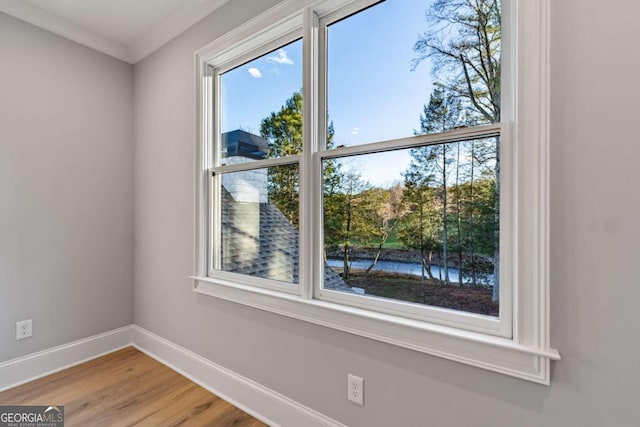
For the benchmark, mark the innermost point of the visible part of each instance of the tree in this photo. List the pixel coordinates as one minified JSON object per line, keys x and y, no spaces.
{"x":442,"y":114}
{"x":463,"y":42}
{"x":387,"y":206}
{"x":349,"y":217}
{"x":419,"y":226}
{"x":283,"y":132}
{"x":477,"y":201}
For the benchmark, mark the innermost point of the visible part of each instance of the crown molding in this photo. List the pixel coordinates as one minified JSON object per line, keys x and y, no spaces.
{"x":64,"y":28}
{"x":189,"y":13}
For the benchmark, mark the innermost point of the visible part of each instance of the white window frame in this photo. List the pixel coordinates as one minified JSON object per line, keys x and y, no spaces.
{"x":518,"y":343}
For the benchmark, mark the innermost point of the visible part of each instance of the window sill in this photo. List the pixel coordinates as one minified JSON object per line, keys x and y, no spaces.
{"x":493,"y":353}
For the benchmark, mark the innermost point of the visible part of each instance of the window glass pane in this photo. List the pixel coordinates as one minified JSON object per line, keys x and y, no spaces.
{"x":409,"y":67}
{"x":261,"y":107}
{"x":259,"y":223}
{"x":424,"y":230}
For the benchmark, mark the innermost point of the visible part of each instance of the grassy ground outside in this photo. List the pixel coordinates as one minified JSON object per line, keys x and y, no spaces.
{"x":392,"y":242}
{"x":407,"y":287}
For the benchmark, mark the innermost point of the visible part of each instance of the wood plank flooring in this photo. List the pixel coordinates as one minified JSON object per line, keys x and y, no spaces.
{"x":128,"y":388}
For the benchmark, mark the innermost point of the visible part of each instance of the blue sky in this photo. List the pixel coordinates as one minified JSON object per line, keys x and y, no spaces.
{"x":372,"y":93}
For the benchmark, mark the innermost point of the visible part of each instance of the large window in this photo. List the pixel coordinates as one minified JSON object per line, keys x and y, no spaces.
{"x":359,"y":163}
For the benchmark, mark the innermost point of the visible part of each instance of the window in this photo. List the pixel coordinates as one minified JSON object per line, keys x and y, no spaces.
{"x":255,"y":188}
{"x":355,"y":175}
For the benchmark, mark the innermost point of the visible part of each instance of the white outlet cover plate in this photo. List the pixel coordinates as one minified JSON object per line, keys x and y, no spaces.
{"x":355,"y":389}
{"x":24,"y":329}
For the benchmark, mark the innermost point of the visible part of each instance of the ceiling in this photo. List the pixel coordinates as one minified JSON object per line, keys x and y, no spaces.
{"x":126,"y":29}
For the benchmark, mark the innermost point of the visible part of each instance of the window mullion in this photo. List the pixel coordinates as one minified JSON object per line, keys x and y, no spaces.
{"x":308,"y":180}
{"x":321,"y":146}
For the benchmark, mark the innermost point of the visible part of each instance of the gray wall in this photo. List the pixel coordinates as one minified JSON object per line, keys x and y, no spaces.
{"x":66,"y":189}
{"x":595,"y":267}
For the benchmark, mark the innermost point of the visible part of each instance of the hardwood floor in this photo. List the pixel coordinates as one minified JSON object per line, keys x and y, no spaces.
{"x":128,"y":388}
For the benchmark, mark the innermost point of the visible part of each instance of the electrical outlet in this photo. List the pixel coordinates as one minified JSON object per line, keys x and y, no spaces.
{"x":355,"y":389}
{"x":24,"y":329}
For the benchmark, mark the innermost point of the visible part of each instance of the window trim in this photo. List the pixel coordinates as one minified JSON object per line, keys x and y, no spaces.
{"x":527,"y":354}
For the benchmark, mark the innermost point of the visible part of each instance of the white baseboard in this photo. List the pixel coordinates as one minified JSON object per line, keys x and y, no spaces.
{"x":263,"y":403}
{"x":36,"y":365}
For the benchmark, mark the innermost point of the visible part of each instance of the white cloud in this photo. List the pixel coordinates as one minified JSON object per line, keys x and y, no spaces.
{"x":255,"y":72}
{"x":355,"y":131}
{"x":280,"y":58}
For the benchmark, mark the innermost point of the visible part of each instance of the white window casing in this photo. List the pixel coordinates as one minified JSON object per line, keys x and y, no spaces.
{"x":517,"y":343}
